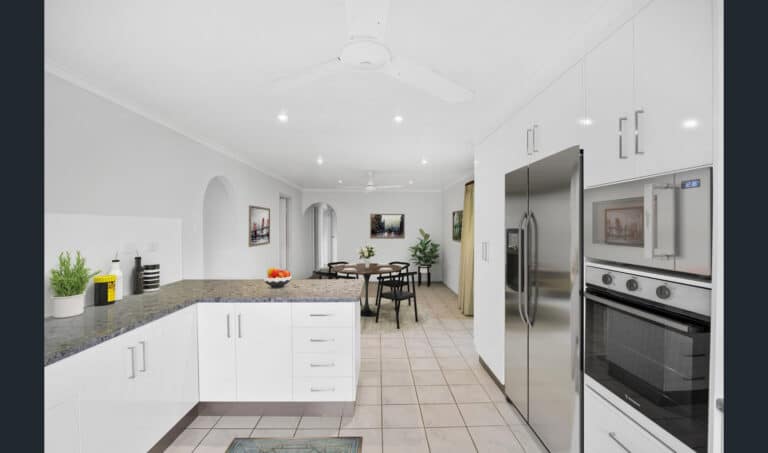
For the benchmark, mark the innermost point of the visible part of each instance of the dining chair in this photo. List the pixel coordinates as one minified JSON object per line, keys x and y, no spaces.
{"x":337,"y":274}
{"x":389,"y":283}
{"x":403,"y":287}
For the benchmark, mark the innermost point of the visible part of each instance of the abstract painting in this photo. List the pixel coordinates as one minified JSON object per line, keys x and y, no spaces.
{"x":387,"y":226}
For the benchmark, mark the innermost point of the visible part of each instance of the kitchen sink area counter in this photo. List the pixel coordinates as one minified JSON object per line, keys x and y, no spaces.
{"x":67,"y":336}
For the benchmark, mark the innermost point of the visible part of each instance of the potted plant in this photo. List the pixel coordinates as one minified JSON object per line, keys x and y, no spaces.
{"x":366,"y":252}
{"x":68,"y":283}
{"x":425,"y":252}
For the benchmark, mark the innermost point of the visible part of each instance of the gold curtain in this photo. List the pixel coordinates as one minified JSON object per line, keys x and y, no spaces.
{"x":467,"y":266}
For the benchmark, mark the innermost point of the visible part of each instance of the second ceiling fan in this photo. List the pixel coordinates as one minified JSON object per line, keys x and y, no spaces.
{"x":366,"y":22}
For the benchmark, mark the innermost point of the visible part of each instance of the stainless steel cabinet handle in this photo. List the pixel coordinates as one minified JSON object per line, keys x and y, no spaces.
{"x":612,"y":435}
{"x":133,"y":362}
{"x":228,"y":332}
{"x":316,"y":315}
{"x":321,"y":340}
{"x":720,"y":405}
{"x":322,"y":365}
{"x":239,"y":327}
{"x":143,"y":356}
{"x":528,"y":142}
{"x":535,"y":126}
{"x":637,"y":131}
{"x":322,"y":389}
{"x":621,"y":137}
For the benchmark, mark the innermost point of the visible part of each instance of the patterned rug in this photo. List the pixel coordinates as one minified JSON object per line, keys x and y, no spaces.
{"x":309,"y":445}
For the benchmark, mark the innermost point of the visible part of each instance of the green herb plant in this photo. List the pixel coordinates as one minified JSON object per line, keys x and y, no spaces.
{"x":70,"y":279}
{"x":425,"y":252}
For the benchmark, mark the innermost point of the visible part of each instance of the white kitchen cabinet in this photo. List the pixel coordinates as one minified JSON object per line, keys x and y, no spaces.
{"x":608,"y":86}
{"x":557,"y":115}
{"x":263,"y":352}
{"x":62,"y":430}
{"x":608,"y":430}
{"x":216,"y":352}
{"x":673,"y":71}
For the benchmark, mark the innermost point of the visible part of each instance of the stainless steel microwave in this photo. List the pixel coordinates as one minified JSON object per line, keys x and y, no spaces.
{"x":662,"y":222}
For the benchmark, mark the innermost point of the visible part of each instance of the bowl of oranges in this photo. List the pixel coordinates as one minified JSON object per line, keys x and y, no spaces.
{"x":277,"y":278}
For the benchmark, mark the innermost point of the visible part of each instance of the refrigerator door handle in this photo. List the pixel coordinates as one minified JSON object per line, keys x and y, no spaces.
{"x":521,"y":284}
{"x":534,"y":294}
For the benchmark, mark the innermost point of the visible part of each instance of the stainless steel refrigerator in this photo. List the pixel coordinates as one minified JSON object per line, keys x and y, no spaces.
{"x":543,"y":372}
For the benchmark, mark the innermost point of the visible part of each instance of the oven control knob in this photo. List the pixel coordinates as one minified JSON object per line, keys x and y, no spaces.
{"x":632,"y":284}
{"x":607,"y":279}
{"x":663,"y":292}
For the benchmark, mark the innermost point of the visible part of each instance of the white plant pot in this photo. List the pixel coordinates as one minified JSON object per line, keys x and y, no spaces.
{"x":64,"y":307}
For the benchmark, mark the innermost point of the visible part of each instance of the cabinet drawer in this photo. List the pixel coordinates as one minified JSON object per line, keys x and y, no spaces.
{"x":324,"y":389}
{"x":322,"y":339}
{"x":608,"y":430}
{"x":323,"y":314}
{"x":334,"y":364}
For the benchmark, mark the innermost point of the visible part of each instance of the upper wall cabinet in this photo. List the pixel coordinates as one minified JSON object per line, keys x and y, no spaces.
{"x":557,"y":115}
{"x":648,"y":92}
{"x":608,"y":93}
{"x":673,"y":85}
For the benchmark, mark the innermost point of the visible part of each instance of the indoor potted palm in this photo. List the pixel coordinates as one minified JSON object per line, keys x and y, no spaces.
{"x":425,"y":252}
{"x":68,"y":282}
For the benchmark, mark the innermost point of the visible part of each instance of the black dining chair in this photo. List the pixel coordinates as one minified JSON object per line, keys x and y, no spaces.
{"x":402,"y":287}
{"x":390,"y":283}
{"x":337,"y":274}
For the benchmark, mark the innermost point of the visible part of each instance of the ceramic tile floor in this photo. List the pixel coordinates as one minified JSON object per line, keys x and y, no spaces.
{"x":421,"y":389}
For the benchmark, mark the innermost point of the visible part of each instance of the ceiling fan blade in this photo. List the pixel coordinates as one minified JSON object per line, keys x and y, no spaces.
{"x":306,"y":75}
{"x":427,"y":80}
{"x":367,"y":18}
{"x":396,"y":186}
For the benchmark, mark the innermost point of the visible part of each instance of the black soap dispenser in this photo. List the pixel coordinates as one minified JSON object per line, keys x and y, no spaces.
{"x":138,"y":275}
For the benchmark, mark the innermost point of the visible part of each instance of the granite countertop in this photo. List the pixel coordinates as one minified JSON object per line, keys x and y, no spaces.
{"x":67,"y":336}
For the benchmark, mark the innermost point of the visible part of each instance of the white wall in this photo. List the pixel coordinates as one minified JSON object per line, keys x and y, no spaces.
{"x":103,"y":159}
{"x":453,"y":200}
{"x":353,"y":210}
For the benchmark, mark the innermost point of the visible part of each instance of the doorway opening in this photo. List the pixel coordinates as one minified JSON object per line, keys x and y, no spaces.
{"x":219,"y":228}
{"x":321,"y":220}
{"x":284,"y":240}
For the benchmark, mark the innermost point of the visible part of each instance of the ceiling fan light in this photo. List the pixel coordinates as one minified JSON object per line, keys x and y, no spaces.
{"x":398,"y":119}
{"x":282,"y":117}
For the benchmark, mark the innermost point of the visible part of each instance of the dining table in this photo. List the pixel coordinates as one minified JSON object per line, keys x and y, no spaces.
{"x":367,"y":270}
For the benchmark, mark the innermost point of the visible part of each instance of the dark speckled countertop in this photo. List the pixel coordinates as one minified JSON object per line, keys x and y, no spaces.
{"x":67,"y":336}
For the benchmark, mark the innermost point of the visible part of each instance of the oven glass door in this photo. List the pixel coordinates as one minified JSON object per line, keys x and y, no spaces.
{"x":656,"y":362}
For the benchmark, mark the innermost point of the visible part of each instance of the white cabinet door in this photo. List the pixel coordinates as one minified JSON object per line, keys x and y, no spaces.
{"x":264,"y":353}
{"x":558,"y":113}
{"x":673,"y":85}
{"x":608,"y":75}
{"x":62,"y":430}
{"x":108,"y":409}
{"x":166,"y":386}
{"x":216,"y":352}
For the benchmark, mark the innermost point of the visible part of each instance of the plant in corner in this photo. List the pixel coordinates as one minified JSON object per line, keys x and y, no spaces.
{"x":425,"y":252}
{"x":68,"y":282}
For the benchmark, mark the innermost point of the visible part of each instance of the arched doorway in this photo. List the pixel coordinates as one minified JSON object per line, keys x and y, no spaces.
{"x":320,"y":219}
{"x":219,"y":229}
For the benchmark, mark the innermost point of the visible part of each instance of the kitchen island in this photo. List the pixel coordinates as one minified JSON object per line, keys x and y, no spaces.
{"x":138,"y":370}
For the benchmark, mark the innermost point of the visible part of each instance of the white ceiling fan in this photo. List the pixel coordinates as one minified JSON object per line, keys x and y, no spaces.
{"x":366,"y":22}
{"x":371,"y":186}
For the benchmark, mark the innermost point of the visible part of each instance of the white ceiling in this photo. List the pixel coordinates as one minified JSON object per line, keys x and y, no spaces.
{"x":203,"y":68}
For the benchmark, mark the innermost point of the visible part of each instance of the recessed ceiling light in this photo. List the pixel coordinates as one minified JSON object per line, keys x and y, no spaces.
{"x":424,"y":161}
{"x":585,"y":121}
{"x":319,"y":160}
{"x":341,"y":182}
{"x":398,"y":119}
{"x":282,"y":117}
{"x":410,"y":181}
{"x":690,"y":123}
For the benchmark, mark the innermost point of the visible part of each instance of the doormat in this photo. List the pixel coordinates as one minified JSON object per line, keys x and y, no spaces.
{"x":308,"y":445}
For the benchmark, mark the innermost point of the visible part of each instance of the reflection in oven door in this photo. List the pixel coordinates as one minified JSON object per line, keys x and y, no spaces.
{"x":658,"y":365}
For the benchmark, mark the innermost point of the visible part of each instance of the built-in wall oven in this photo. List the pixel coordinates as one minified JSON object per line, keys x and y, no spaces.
{"x":663,"y":222}
{"x":646,"y":340}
